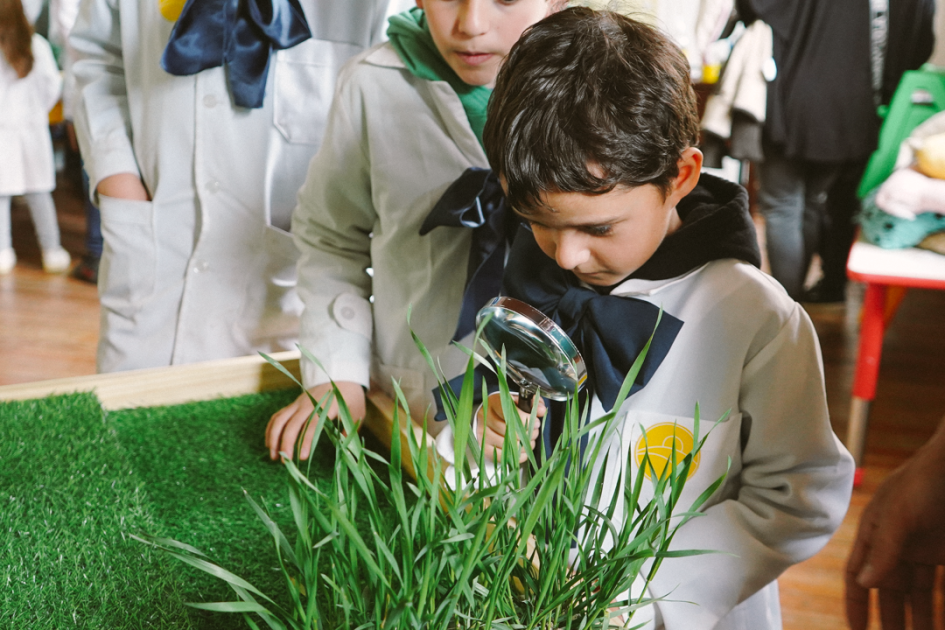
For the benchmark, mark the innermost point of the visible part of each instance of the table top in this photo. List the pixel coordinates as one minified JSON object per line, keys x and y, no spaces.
{"x":910,"y":267}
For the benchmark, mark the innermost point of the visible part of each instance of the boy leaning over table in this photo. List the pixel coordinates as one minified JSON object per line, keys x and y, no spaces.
{"x":591,"y":130}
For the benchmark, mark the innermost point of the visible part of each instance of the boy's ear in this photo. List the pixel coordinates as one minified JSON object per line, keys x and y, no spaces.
{"x":690,"y":167}
{"x":556,"y":5}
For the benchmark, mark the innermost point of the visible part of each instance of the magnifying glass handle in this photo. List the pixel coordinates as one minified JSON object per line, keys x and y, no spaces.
{"x":526,"y":400}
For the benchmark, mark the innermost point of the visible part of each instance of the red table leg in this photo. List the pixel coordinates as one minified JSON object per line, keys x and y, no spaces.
{"x":867,"y":371}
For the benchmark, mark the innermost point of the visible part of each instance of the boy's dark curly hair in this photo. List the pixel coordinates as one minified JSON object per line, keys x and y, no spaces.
{"x":586,"y":101}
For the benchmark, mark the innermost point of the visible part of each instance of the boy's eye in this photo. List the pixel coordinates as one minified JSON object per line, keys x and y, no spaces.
{"x":598,"y":230}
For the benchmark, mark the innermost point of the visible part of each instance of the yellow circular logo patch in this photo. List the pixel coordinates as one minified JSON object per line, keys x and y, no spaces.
{"x":171,"y":9}
{"x":662,"y":439}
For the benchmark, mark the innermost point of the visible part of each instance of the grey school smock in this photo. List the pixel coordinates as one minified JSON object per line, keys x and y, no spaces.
{"x":393,"y":145}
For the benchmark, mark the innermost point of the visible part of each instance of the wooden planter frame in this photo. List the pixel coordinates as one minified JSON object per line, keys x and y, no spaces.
{"x":222,"y":378}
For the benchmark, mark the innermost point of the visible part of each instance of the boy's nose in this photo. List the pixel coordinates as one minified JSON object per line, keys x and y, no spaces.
{"x":472,"y":19}
{"x":570,"y":251}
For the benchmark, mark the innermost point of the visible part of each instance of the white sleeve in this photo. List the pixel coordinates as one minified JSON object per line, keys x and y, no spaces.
{"x":790,"y":496}
{"x":102,"y":119}
{"x":49,"y":79}
{"x":32,"y":9}
{"x":332,"y":226}
{"x":62,"y":15}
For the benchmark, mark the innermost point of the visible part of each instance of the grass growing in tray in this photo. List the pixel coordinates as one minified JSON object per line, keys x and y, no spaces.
{"x":537,"y":547}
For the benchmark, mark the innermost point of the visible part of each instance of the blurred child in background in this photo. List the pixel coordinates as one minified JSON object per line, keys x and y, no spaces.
{"x":30,"y":85}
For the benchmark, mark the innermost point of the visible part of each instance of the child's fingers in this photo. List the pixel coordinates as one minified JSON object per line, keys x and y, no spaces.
{"x":499,"y":427}
{"x":492,"y":444}
{"x":538,"y":403}
{"x":293,"y":429}
{"x":493,"y":428}
{"x":494,"y":411}
{"x":305,"y":448}
{"x":496,"y":425}
{"x":277,"y":425}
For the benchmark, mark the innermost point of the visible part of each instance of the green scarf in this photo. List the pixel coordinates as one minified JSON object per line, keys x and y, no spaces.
{"x":410,"y":36}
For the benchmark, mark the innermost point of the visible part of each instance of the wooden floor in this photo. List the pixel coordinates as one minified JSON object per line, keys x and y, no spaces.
{"x":49,"y":327}
{"x":48,"y":323}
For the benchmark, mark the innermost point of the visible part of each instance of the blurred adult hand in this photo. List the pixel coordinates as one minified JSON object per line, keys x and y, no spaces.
{"x":285,"y":425}
{"x":900,"y":543}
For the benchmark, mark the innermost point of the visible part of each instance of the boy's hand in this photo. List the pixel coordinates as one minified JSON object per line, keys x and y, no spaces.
{"x":286,"y":424}
{"x":491,"y":430}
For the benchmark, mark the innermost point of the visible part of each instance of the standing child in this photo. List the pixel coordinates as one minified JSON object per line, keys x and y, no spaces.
{"x":196,"y":121}
{"x":405,"y":123}
{"x":29,"y":87}
{"x":592,"y":129}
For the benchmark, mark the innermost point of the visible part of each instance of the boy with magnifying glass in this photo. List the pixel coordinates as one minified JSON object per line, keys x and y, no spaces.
{"x":592,"y":131}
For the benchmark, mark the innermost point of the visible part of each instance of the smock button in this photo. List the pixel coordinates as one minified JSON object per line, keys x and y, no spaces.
{"x":213,"y":186}
{"x":201,"y":266}
{"x":347,"y":312}
{"x":210,"y":100}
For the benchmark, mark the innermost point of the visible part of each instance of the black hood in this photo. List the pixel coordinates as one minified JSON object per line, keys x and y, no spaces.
{"x":715,"y":225}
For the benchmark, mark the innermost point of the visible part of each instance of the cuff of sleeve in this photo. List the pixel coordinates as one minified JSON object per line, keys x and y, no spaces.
{"x":353,"y":371}
{"x":109,"y":160}
{"x":444,"y":440}
{"x":340,"y":339}
{"x":445,"y":450}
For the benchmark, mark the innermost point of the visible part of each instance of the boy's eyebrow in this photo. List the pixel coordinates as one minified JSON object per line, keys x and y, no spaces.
{"x":532,"y":218}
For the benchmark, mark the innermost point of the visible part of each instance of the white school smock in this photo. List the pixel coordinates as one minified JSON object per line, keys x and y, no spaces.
{"x":748,"y":349}
{"x":26,"y":152}
{"x":393,"y":145}
{"x":207,"y":268}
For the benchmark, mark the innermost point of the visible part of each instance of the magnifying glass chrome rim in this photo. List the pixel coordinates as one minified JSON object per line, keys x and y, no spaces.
{"x":505,"y":309}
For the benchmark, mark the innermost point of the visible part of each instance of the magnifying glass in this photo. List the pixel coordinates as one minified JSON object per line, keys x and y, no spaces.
{"x":539,"y":354}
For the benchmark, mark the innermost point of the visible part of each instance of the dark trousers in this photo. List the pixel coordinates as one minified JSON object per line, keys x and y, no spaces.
{"x":809,"y":207}
{"x":839,"y":224}
{"x":93,"y":222}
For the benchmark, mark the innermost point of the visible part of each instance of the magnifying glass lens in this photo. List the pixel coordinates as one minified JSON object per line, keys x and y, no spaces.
{"x":539,"y":355}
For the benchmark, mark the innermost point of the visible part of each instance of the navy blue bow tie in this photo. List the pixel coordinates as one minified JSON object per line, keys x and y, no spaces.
{"x":476,"y":201}
{"x":239,"y":34}
{"x":610,"y":331}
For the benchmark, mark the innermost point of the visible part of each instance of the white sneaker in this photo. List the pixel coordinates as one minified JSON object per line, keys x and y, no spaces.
{"x":7,"y":261}
{"x":56,"y":260}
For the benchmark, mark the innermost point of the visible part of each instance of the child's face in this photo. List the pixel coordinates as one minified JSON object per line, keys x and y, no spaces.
{"x":474,"y":36}
{"x":604,"y":238}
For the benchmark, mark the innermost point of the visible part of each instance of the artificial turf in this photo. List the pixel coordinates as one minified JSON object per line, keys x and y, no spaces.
{"x":75,"y":482}
{"x":70,"y":497}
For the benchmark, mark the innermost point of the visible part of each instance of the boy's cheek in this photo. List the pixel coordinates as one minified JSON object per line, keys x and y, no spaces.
{"x":545,"y":241}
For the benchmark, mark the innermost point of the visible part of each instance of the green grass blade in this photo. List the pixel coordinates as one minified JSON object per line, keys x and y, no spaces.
{"x":274,"y":529}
